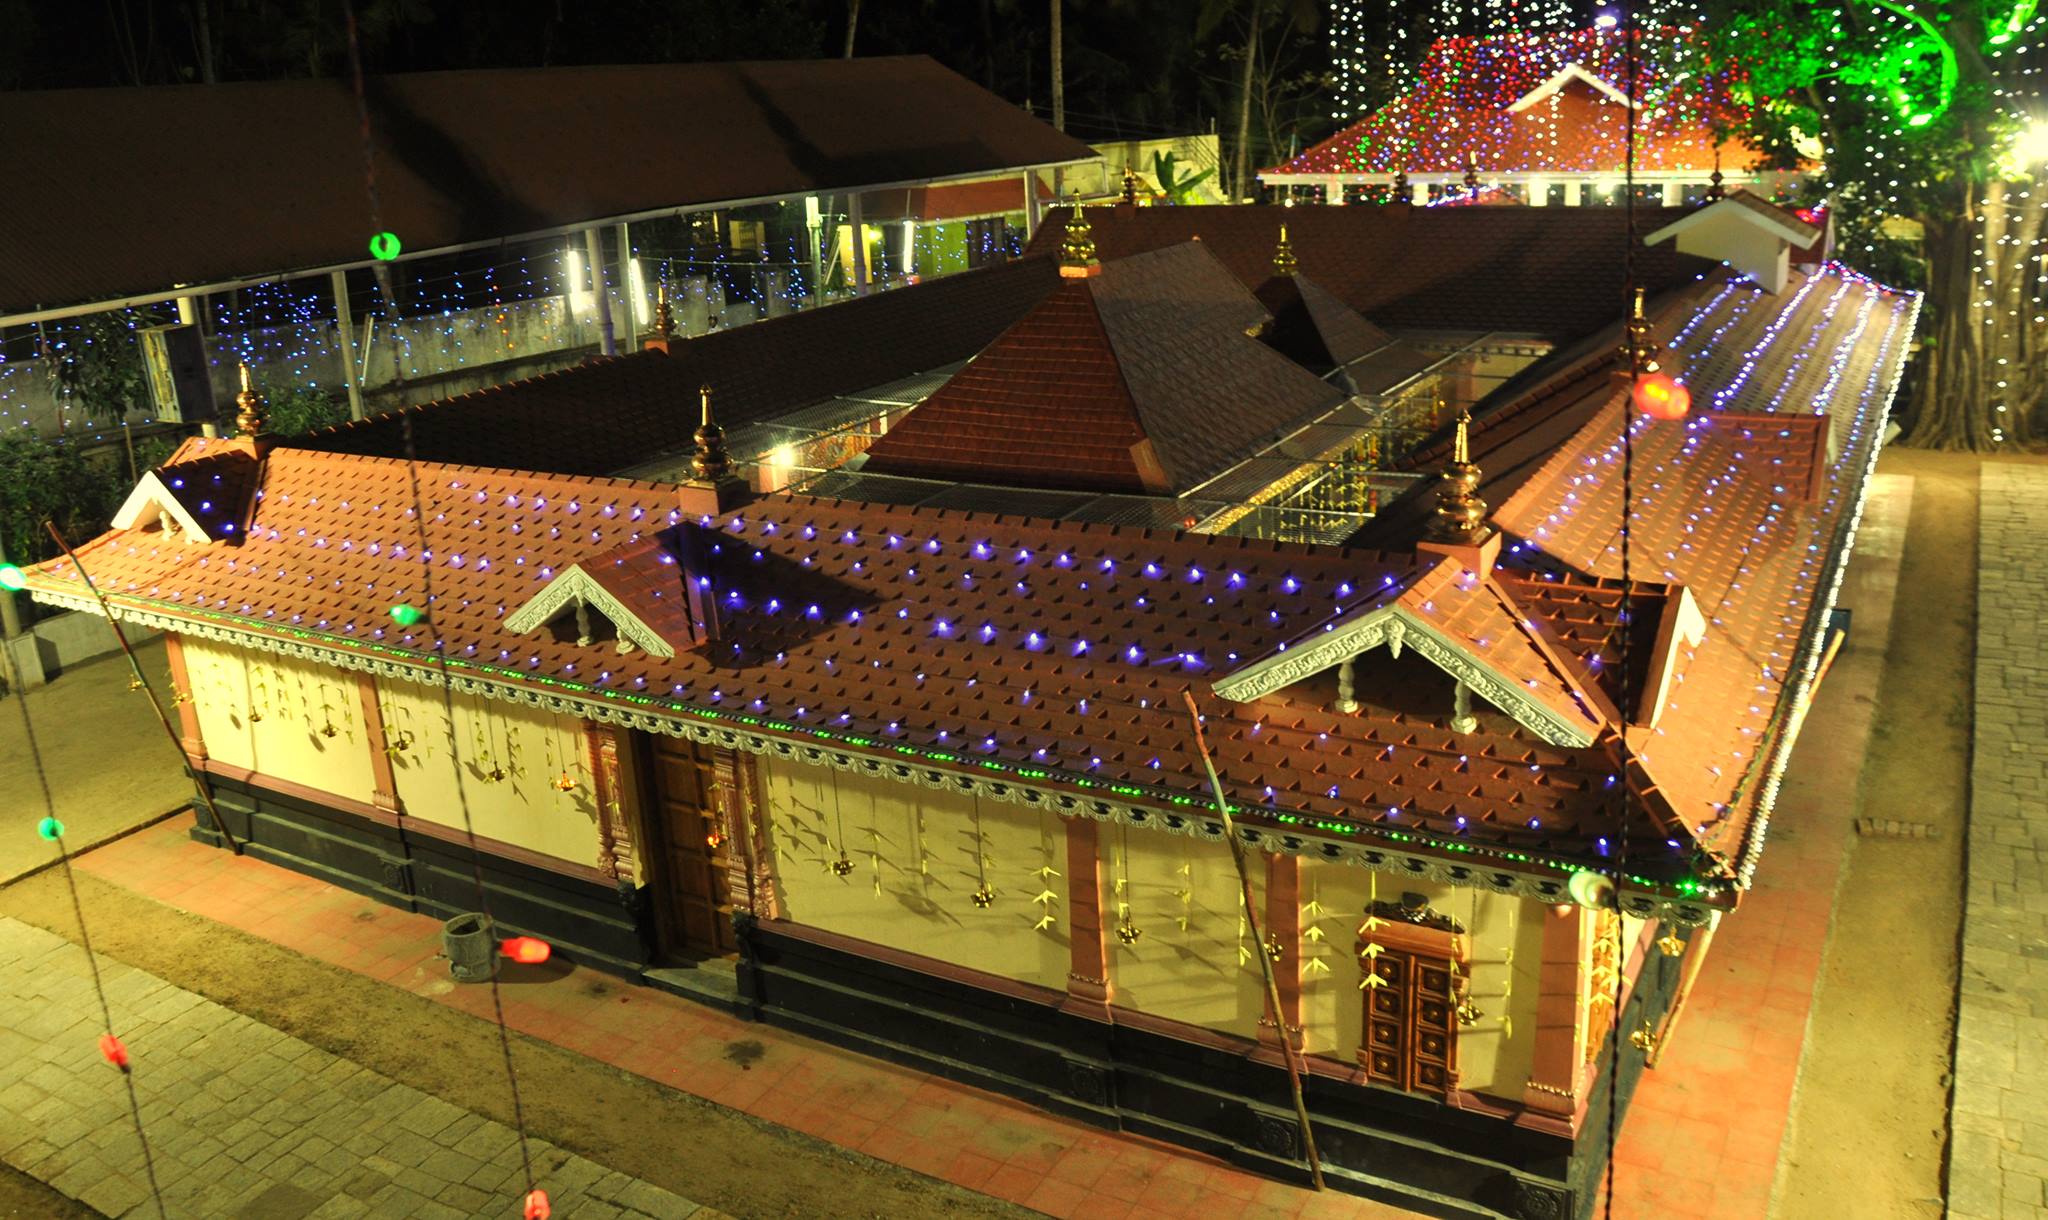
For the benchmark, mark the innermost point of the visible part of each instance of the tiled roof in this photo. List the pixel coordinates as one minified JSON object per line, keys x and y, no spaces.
{"x":1555,"y":273}
{"x":144,"y":189}
{"x":1060,"y":650}
{"x":1142,"y":378}
{"x":1464,"y":105}
{"x":607,"y":415}
{"x":1317,"y":331}
{"x":952,"y":200}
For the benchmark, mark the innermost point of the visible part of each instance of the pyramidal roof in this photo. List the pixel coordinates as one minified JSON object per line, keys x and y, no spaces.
{"x":1146,"y":378}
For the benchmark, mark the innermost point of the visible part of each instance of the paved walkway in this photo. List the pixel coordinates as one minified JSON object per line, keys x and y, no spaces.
{"x":1998,"y":1158}
{"x":244,"y":1122}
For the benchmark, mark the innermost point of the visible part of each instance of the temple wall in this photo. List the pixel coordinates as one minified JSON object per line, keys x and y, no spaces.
{"x":1506,"y":949}
{"x":528,"y":751}
{"x":273,"y":715}
{"x":1192,"y":960}
{"x":915,"y":870}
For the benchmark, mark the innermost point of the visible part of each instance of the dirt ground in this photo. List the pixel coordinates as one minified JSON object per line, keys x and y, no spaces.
{"x":78,"y":718}
{"x":704,"y":1152}
{"x":24,"y":1198}
{"x":1870,"y":1118}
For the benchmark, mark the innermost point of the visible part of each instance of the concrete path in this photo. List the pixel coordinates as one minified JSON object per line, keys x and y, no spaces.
{"x":1998,"y":1160}
{"x":244,"y":1122}
{"x":110,"y":766}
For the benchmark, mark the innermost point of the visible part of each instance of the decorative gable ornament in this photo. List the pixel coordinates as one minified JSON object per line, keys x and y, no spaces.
{"x":576,"y":592}
{"x":152,"y":503}
{"x":1751,"y":234}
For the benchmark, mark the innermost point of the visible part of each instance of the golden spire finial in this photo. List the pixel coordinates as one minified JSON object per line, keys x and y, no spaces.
{"x":1472,"y":173}
{"x":1077,"y":246}
{"x":1284,"y":262}
{"x":1714,"y":188}
{"x":1130,"y":194}
{"x":1640,"y":349}
{"x":1460,"y":513}
{"x":664,"y":316}
{"x":711,"y":462}
{"x":249,"y":420}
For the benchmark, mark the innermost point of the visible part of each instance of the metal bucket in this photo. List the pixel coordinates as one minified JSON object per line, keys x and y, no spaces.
{"x":470,"y":945}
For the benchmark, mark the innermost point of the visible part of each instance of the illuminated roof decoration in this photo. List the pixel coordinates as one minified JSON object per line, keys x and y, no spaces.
{"x":1527,"y":104}
{"x":1043,"y":662}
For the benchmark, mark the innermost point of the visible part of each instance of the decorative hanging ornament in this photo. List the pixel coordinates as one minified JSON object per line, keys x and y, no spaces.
{"x":984,"y":897}
{"x":526,"y":950}
{"x":113,"y":1051}
{"x":1660,"y":397}
{"x":1590,"y":889}
{"x":51,"y":829}
{"x":1129,"y":933}
{"x":842,"y":867}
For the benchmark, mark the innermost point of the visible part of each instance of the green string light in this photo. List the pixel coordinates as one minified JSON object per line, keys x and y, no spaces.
{"x":11,"y":578}
{"x":405,"y":614}
{"x":384,"y":247}
{"x":51,"y":829}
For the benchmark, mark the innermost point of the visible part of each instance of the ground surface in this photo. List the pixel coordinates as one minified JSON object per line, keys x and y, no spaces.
{"x":1998,"y":1164}
{"x":81,"y":718}
{"x":1870,"y":1120}
{"x":243,"y":1121}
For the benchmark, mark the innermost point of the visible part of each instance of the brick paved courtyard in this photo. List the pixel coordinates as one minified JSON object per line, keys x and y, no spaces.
{"x":245,"y":1121}
{"x":1998,"y":1166}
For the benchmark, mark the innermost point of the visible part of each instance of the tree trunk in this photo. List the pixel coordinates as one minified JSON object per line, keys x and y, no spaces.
{"x":1059,"y":70}
{"x":1241,"y":161}
{"x":205,"y":39}
{"x":1985,"y":365}
{"x":852,"y":21}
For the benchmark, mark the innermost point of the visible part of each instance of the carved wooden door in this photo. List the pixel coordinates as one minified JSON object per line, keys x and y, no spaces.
{"x":1410,"y":1021}
{"x":690,"y":802}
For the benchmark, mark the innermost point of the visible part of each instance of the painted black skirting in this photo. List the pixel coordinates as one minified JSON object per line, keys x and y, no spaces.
{"x":585,"y":921}
{"x":1381,"y":1143}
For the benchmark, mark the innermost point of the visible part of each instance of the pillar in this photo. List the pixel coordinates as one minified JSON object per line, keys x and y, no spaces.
{"x":1347,"y":700}
{"x":1088,"y":986}
{"x":860,"y":244}
{"x":1538,"y":191}
{"x":189,"y":737}
{"x":593,"y":254}
{"x":1418,"y":193}
{"x":631,"y":303}
{"x":1462,"y":719}
{"x":1030,"y":205}
{"x":1558,"y":1061}
{"x":1282,"y":920}
{"x":383,"y":778}
{"x":346,"y":331}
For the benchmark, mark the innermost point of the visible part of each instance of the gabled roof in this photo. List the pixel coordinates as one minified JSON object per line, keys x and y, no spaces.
{"x":608,"y":415}
{"x":638,"y":587}
{"x":1537,"y":104}
{"x":1772,"y":218}
{"x":1316,"y":330}
{"x":1141,"y":379}
{"x":461,"y":157}
{"x":207,"y":487}
{"x":1554,"y":273}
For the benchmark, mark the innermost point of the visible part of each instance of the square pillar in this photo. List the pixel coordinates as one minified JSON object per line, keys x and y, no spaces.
{"x":1558,"y":1062}
{"x":383,"y":778}
{"x":1282,"y":926}
{"x":181,"y":695}
{"x":1088,"y":985}
{"x":855,"y":218}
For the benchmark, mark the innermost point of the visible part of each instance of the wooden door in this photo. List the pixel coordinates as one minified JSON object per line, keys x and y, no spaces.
{"x":690,"y":806}
{"x":1411,"y":1022}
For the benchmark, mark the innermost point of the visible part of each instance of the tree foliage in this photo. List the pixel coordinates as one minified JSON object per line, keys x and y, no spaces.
{"x":50,"y":480}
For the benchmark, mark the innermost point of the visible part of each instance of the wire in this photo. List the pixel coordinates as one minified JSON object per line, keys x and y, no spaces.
{"x":439,"y":649}
{"x":84,"y":938}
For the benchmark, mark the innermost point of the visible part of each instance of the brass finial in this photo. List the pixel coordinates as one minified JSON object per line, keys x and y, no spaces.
{"x":1400,"y":186}
{"x":1130,"y":194}
{"x":1640,"y":349}
{"x":1077,"y":247}
{"x":664,"y":316}
{"x":1714,"y":187}
{"x":1460,"y":513}
{"x":1472,"y":173}
{"x":711,"y":462}
{"x":249,"y":419}
{"x":1284,"y":262}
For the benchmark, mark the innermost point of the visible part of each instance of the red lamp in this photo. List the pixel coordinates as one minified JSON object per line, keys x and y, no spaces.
{"x":1659,"y":397}
{"x":113,"y":1051}
{"x":537,"y":1205}
{"x":526,"y":950}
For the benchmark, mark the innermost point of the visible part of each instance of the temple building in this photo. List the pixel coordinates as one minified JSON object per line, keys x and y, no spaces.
{"x":1542,"y":119}
{"x":907,"y":757}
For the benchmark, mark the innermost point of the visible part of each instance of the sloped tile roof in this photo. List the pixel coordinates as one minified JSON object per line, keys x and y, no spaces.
{"x":1142,"y":378}
{"x":1555,"y":273}
{"x":605,"y":416}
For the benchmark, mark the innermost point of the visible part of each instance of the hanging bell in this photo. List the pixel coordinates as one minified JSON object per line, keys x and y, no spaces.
{"x":984,"y":897}
{"x":1128,"y":933}
{"x":842,"y":867}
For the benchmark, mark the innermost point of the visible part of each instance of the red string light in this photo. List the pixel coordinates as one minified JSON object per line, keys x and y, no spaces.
{"x":537,"y":1205}
{"x":112,"y":1049}
{"x":526,"y":950}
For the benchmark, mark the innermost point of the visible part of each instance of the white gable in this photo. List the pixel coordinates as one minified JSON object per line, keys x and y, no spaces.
{"x":150,"y":502}
{"x":573,"y":591}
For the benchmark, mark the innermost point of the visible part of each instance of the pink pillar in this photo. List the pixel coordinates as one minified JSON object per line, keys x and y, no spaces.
{"x":1560,"y":1055}
{"x":1088,"y":987}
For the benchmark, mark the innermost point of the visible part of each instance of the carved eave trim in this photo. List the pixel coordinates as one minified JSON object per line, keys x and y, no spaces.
{"x":708,"y":727}
{"x":151,"y":496}
{"x":1395,"y":626}
{"x":574,"y":584}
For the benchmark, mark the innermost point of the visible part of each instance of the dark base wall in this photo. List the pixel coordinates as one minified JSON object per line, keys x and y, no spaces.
{"x":592,"y":922}
{"x":1204,"y":1092}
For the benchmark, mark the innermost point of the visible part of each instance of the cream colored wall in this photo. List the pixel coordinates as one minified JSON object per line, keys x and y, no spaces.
{"x":1193,"y":959}
{"x":504,"y":759}
{"x":1506,"y":948}
{"x":287,"y":719}
{"x":915,"y":869}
